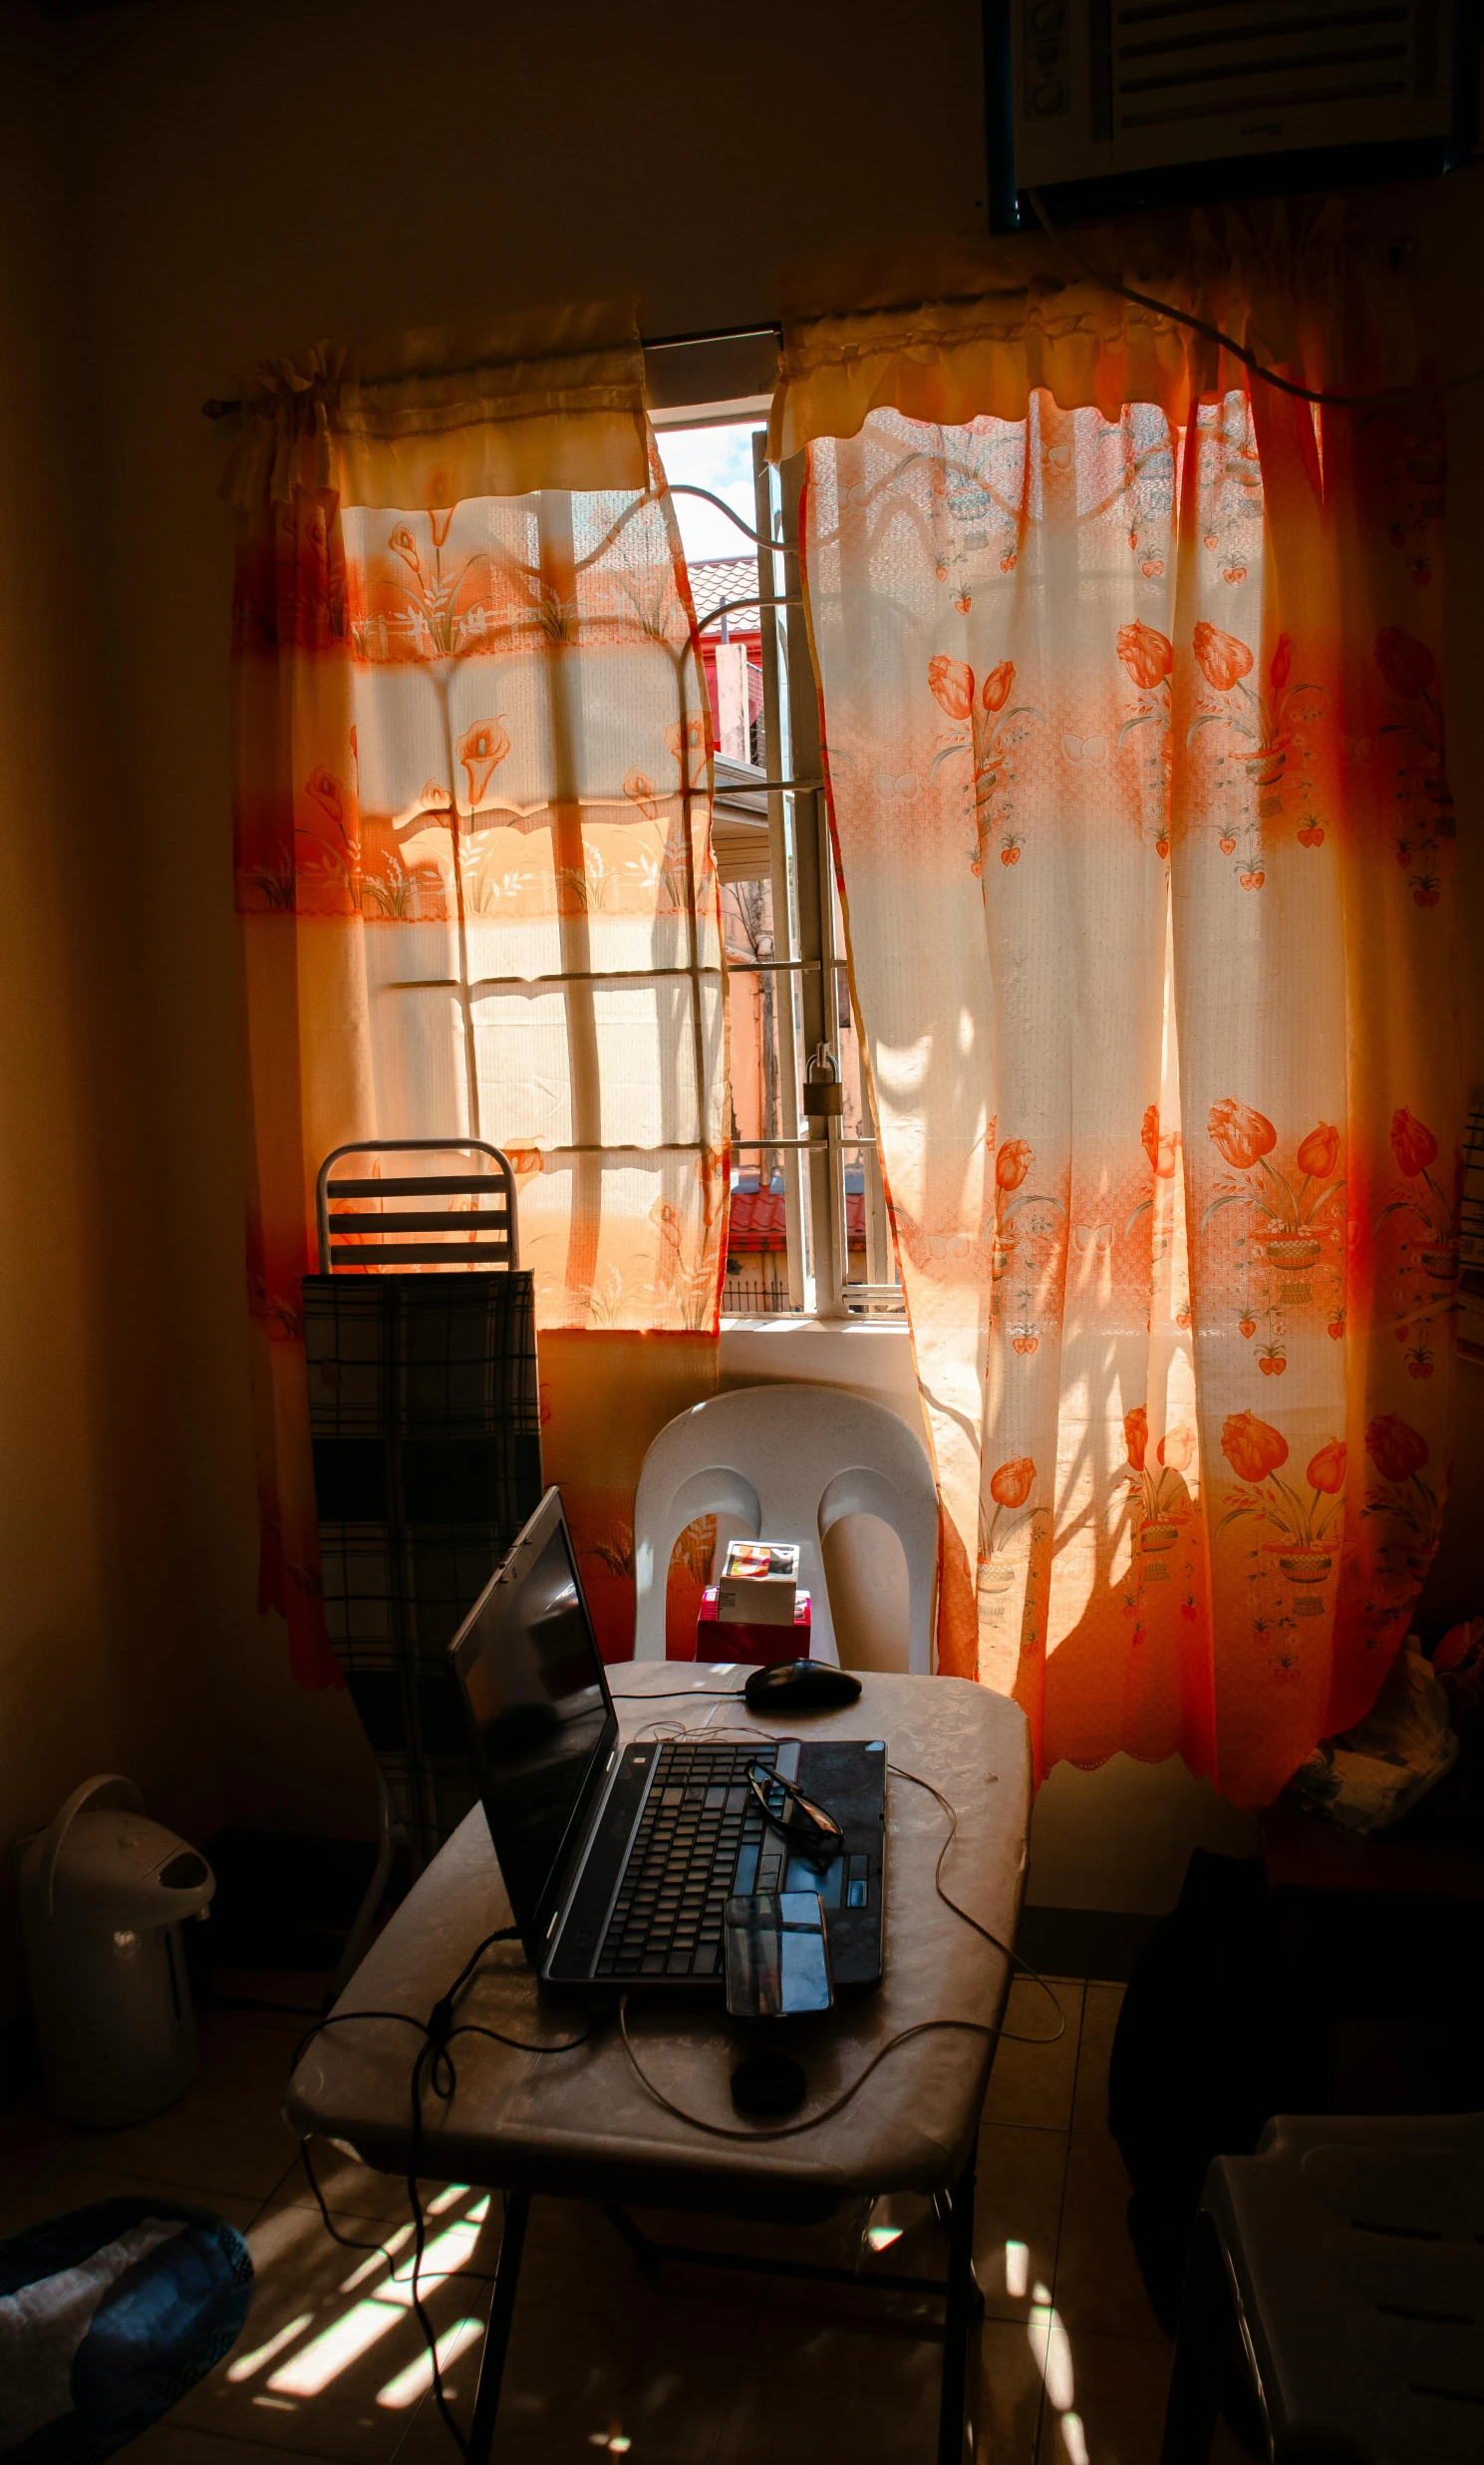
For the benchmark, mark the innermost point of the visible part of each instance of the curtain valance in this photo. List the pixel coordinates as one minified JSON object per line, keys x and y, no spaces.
{"x":549,"y":400}
{"x":1298,"y":283}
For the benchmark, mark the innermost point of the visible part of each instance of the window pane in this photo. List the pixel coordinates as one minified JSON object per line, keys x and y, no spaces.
{"x":757,"y":1244}
{"x":870,"y":1252}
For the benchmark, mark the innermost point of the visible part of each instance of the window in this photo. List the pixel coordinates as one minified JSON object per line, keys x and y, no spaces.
{"x":809,"y":1223}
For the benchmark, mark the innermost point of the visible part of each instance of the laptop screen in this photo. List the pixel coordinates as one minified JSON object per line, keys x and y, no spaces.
{"x":532,"y":1673}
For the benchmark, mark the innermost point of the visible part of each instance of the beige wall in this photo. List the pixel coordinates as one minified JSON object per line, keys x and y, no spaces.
{"x":251,"y":177}
{"x":99,"y":1667}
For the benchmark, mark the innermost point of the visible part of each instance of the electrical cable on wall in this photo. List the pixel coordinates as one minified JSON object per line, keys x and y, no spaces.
{"x":1213,"y":333}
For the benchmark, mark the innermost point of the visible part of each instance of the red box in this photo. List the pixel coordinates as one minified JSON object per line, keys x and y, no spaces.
{"x":759,"y":1644}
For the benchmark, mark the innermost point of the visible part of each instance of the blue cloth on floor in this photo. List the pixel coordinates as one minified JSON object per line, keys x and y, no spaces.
{"x":107,"y":2316}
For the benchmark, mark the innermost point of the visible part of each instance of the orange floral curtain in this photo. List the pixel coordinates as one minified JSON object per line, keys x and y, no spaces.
{"x":474,"y":871}
{"x":1138,"y":782}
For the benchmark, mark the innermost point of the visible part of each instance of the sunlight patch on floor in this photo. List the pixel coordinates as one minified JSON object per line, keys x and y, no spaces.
{"x":416,"y":2380}
{"x":1051,"y":2348}
{"x":248,"y":2363}
{"x":361,"y":2325}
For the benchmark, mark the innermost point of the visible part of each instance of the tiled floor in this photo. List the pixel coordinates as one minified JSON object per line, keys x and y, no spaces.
{"x":693,"y":2368}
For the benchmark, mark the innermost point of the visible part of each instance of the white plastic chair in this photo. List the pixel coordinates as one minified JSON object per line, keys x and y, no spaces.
{"x":788,"y":1462}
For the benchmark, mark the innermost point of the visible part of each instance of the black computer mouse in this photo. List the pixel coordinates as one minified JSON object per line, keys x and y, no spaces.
{"x":768,"y":2084}
{"x":801,"y":1686}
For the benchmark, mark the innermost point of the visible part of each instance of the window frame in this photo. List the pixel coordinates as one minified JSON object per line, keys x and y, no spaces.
{"x":808,"y":943}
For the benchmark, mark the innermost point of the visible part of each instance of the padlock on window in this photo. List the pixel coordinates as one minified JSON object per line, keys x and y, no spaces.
{"x":824,"y":1098}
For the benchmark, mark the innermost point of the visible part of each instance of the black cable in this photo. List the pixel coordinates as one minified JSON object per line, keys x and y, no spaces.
{"x":420,"y":2228}
{"x":1007,"y":1949}
{"x":347,"y":2241}
{"x":441,"y":2027}
{"x":212,"y":2002}
{"x":809,"y":2122}
{"x":439,"y":2062}
{"x":984,"y":2029}
{"x":666,"y":1694}
{"x":434,"y":2061}
{"x":332,"y":2019}
{"x":352,"y":2242}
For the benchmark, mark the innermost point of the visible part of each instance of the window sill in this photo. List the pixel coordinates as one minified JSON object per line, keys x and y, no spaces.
{"x":871,"y":1355}
{"x":793,"y":1321}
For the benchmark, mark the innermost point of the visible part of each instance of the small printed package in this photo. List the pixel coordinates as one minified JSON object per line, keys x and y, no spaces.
{"x":758,"y":1584}
{"x":759,"y":1641}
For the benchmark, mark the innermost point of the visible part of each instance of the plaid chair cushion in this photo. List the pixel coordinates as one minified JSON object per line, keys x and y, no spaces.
{"x":425,"y":1421}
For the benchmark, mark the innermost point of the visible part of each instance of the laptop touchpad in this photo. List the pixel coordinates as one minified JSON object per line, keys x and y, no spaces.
{"x":803,"y":1876}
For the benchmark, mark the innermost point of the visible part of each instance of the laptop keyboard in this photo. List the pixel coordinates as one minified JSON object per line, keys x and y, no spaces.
{"x":700,"y":1838}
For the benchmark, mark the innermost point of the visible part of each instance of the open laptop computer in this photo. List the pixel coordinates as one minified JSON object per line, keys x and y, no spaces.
{"x":619,"y":1862}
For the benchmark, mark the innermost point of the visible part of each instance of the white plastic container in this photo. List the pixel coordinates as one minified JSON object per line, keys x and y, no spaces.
{"x":103,"y":1894}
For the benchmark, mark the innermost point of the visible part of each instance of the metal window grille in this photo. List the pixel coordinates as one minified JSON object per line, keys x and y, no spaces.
{"x":837,"y":1258}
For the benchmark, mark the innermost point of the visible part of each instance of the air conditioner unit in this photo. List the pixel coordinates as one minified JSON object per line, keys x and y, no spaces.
{"x":1109,"y":104}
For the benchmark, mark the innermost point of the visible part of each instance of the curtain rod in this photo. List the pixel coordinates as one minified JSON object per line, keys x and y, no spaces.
{"x":224,"y":410}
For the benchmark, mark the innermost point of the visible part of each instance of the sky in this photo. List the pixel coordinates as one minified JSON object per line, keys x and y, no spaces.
{"x":719,"y":459}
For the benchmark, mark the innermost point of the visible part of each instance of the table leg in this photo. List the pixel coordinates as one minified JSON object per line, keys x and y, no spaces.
{"x":1201,"y":2350}
{"x":648,"y":2254}
{"x":960,"y":2292}
{"x":497,"y":2335}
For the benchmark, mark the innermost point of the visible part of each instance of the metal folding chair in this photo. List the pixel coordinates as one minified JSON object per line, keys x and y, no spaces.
{"x":426,"y":1422}
{"x":498,"y":1247}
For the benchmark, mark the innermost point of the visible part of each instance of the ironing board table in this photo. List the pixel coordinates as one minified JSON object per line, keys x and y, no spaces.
{"x":584,"y":2126}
